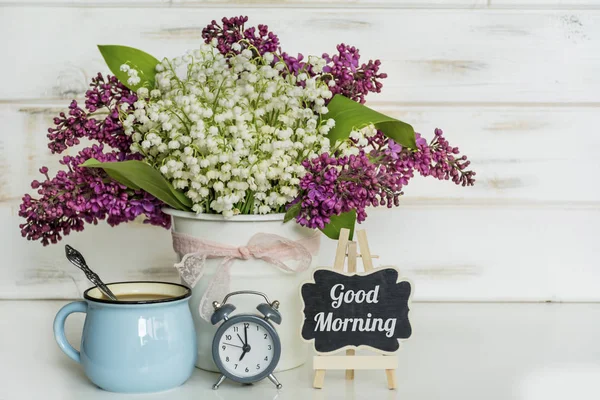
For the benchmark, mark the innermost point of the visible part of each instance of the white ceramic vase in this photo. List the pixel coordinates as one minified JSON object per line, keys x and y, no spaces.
{"x":251,"y":274}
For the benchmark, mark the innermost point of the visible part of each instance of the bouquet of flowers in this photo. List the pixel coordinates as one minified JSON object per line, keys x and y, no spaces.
{"x":236,"y":126}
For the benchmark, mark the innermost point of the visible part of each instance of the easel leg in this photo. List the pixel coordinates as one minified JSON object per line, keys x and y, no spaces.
{"x":391,"y":378}
{"x":350,"y":372}
{"x":319,"y":378}
{"x":352,"y":256}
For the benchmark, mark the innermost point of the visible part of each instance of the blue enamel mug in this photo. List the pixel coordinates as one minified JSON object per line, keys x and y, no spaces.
{"x":145,"y":342}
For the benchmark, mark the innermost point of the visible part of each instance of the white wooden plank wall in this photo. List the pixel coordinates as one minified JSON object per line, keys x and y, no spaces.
{"x":514,"y":83}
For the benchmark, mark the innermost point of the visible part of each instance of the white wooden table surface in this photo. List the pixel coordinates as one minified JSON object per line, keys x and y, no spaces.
{"x":458,"y":351}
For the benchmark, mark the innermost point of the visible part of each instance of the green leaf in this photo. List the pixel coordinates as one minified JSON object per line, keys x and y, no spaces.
{"x":114,"y":174}
{"x":292,"y":212}
{"x":350,"y":115}
{"x":139,"y":175}
{"x":144,"y":63}
{"x":338,"y":222}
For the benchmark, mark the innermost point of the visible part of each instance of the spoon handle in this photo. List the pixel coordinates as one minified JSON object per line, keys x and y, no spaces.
{"x":76,"y":258}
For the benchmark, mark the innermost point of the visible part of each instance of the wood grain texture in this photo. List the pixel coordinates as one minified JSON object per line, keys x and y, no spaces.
{"x":255,"y":3}
{"x":518,"y":152}
{"x":478,"y":56}
{"x":30,"y":270}
{"x":337,"y":3}
{"x":86,"y":3}
{"x":552,"y":4}
{"x":449,"y":252}
{"x":314,"y":3}
{"x":514,"y":85}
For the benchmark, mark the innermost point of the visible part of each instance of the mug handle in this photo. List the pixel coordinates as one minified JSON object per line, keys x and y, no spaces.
{"x":59,"y":327}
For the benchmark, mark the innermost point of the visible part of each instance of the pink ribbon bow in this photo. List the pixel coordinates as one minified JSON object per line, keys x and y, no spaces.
{"x":273,"y":249}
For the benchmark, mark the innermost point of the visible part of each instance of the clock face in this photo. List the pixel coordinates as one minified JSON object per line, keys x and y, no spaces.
{"x":247,"y":348}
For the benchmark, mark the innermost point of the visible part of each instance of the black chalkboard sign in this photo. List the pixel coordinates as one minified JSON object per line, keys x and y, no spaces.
{"x":356,"y":310}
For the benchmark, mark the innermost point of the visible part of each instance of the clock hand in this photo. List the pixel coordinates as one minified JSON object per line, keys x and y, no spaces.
{"x":246,"y":347}
{"x":234,"y":345}
{"x":242,"y":340}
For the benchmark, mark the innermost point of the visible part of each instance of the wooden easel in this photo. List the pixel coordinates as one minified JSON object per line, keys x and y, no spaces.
{"x":350,"y":362}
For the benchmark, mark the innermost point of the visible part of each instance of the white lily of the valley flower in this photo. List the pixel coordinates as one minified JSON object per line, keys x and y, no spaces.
{"x":229,"y":131}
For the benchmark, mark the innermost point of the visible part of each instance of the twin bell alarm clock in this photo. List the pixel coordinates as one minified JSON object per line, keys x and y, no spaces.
{"x":246,"y":347}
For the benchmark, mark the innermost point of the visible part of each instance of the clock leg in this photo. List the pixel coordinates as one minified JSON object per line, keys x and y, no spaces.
{"x":221,"y":379}
{"x":275,"y":381}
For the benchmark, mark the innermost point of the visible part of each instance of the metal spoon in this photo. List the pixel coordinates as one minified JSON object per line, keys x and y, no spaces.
{"x":77,"y":259}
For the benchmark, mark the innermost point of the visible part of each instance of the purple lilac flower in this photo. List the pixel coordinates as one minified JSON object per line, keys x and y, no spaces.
{"x":81,"y":195}
{"x":232,"y":31}
{"x":350,"y":78}
{"x":295,"y":65}
{"x":337,"y":184}
{"x":106,"y":96}
{"x":84,"y":195}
